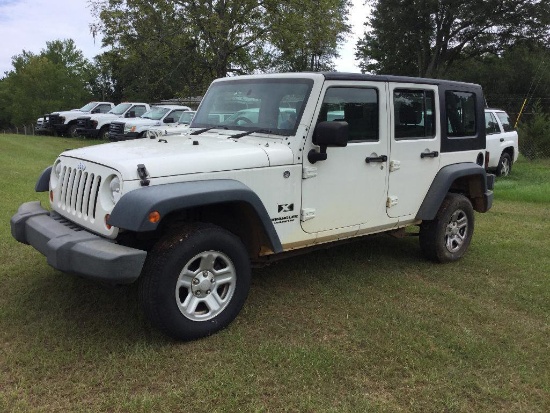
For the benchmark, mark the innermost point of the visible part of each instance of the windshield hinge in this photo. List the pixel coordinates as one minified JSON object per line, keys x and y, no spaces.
{"x":143,"y":174}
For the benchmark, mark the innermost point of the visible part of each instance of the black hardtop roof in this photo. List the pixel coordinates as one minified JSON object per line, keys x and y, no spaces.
{"x":391,"y":78}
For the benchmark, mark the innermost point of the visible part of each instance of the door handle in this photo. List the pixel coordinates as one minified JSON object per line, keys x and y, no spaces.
{"x":381,"y":158}
{"x":433,"y":154}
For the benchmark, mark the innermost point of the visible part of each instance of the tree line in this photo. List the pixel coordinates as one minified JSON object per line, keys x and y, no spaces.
{"x":158,"y":49}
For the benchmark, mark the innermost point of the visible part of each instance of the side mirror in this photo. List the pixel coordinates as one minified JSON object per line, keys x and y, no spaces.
{"x":328,"y":134}
{"x":95,"y":110}
{"x":131,"y":114}
{"x":169,"y":120}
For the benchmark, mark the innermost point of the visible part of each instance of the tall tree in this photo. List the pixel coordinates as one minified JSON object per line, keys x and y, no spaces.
{"x":57,"y":78}
{"x":306,"y":35}
{"x":426,"y":37}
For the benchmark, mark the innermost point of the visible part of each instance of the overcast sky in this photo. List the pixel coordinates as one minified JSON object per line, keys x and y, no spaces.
{"x":28,"y":24}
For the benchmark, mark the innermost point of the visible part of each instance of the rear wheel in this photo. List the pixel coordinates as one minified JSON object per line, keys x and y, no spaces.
{"x":195,"y":281}
{"x":447,"y":237}
{"x":504,"y":165}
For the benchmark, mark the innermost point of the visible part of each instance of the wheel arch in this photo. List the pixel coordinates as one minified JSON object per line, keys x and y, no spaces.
{"x":468,"y":179}
{"x":227,"y":203}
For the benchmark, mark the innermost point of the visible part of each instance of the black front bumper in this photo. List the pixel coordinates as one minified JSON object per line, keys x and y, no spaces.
{"x":73,"y":250}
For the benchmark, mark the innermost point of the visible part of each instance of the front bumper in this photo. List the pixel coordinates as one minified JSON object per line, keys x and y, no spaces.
{"x":88,"y":133}
{"x":73,"y":250}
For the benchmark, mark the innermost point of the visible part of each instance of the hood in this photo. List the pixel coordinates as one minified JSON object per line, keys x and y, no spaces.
{"x":142,"y":121}
{"x":181,"y":155}
{"x":97,"y":116}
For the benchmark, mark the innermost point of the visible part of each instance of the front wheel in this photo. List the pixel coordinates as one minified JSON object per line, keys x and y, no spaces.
{"x":71,"y":131}
{"x":447,"y":237}
{"x":195,"y":281}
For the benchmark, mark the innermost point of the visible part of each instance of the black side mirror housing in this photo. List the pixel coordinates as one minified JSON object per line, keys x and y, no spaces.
{"x":169,"y":120}
{"x":131,"y":114}
{"x":328,"y":134}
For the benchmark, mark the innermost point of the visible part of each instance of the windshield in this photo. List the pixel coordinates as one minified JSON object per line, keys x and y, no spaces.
{"x":88,"y":107}
{"x":186,"y":117}
{"x":155,"y":113}
{"x":120,"y":108}
{"x":272,"y":104}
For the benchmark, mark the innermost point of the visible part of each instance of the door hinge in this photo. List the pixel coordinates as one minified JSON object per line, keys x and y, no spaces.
{"x":309,"y":172}
{"x":392,"y":201}
{"x":306,"y":214}
{"x":395,"y":165}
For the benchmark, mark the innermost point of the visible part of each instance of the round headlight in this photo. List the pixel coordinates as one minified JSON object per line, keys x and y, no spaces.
{"x":114,"y":186}
{"x":57,"y":169}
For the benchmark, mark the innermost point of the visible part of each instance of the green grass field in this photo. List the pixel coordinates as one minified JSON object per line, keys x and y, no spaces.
{"x":368,"y":326}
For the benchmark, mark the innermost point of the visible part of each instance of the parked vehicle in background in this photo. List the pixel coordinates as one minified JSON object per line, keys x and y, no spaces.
{"x":180,"y":127}
{"x":188,"y":216}
{"x":64,"y":122}
{"x":136,"y":128}
{"x":97,"y":125}
{"x":502,"y":142}
{"x":41,"y":127}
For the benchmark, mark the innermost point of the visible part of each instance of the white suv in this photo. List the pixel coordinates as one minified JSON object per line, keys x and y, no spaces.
{"x":321,"y":159}
{"x":502,"y":142}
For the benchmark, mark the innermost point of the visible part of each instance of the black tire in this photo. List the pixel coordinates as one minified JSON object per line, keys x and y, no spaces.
{"x":504,"y":165}
{"x":104,"y":133}
{"x":447,"y":237}
{"x":71,"y":131}
{"x":190,"y":272}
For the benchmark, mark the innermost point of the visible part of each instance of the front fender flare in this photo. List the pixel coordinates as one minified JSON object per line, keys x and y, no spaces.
{"x":132,"y":210}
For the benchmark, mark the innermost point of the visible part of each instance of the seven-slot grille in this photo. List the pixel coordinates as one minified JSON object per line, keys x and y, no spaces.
{"x":79,"y":192}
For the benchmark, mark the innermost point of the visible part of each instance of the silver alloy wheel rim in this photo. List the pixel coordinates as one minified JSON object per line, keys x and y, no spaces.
{"x":505,"y":169}
{"x":205,"y":286}
{"x":456,"y":231}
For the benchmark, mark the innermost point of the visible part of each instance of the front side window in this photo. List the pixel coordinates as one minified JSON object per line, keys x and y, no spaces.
{"x":505,"y":120}
{"x":269,"y":105}
{"x":461,"y":114}
{"x":103,"y":108}
{"x":138,"y":111}
{"x":414,"y":113}
{"x":357,"y":106}
{"x":491,"y":125}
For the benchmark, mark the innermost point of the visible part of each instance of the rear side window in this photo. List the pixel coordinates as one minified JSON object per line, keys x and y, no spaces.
{"x":461,"y":114}
{"x":505,"y":120}
{"x":414,"y":113}
{"x":491,"y":125}
{"x":357,"y":106}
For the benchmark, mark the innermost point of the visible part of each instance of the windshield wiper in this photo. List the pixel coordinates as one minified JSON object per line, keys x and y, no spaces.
{"x":198,"y":132}
{"x":240,"y":135}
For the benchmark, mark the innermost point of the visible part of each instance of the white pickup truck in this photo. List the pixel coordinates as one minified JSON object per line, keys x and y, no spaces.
{"x":502,"y":142}
{"x":64,"y":123}
{"x":97,"y":125}
{"x":136,"y":128}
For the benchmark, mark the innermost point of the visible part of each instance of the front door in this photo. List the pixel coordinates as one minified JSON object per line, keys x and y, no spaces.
{"x":349,"y":187}
{"x":415,"y":146}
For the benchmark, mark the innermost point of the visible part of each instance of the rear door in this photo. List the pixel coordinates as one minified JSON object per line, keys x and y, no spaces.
{"x":415,"y":146}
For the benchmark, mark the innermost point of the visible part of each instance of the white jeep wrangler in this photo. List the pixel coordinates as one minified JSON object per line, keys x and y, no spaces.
{"x":329,"y":157}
